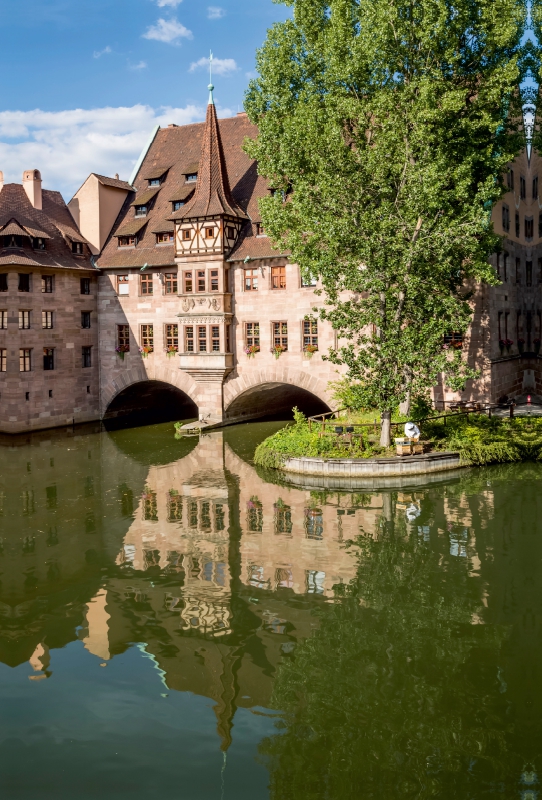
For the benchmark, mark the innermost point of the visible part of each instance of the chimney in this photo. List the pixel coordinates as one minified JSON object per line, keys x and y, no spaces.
{"x":32,"y":187}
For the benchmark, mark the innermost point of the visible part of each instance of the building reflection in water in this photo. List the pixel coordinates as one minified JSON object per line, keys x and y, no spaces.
{"x":225,"y":579}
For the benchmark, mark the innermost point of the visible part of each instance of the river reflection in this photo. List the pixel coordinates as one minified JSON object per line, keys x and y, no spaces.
{"x":174,"y":623}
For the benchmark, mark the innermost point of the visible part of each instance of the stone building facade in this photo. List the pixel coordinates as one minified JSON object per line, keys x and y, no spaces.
{"x":189,"y":298}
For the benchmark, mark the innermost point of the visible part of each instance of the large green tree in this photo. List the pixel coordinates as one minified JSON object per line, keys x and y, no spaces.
{"x":385,"y":126}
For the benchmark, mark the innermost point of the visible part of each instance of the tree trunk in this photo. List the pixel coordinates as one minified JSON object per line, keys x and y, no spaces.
{"x":404,"y":407}
{"x":385,"y":430}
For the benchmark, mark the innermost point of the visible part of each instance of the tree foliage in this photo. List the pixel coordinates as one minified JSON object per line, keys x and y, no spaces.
{"x":385,"y":127}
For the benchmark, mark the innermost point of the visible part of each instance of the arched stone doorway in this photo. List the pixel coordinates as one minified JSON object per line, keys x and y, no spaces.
{"x":147,"y":403}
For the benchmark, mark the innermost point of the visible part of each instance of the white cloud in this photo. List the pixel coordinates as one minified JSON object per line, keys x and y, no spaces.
{"x":221,"y":66}
{"x":67,"y":145}
{"x":104,"y":52}
{"x":172,"y":3}
{"x":215,"y":12}
{"x":168,"y":30}
{"x":141,"y":65}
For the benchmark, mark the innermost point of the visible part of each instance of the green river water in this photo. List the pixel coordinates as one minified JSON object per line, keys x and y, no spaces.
{"x":175,"y":624}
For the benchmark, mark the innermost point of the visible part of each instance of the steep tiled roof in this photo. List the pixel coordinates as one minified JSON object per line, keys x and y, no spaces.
{"x":163,"y":226}
{"x":45,"y":224}
{"x":114,"y":182}
{"x":153,"y":173}
{"x":183,"y":192}
{"x":213,"y":194}
{"x":13,"y":229}
{"x":132,"y":226}
{"x":143,"y":198}
{"x":182,"y":148}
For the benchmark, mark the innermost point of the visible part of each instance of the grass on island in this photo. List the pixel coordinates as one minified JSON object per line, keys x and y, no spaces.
{"x":478,"y":439}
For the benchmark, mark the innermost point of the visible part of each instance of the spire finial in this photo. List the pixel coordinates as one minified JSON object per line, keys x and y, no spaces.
{"x":211,"y":87}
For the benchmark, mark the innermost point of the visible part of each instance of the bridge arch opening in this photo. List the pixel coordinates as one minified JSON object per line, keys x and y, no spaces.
{"x":268,"y":400}
{"x":149,"y":403}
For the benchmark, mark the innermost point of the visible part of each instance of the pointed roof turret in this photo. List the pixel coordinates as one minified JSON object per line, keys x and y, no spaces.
{"x":213,"y":194}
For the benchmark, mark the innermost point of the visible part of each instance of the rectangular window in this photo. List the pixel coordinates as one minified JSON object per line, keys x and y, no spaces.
{"x":123,"y":338}
{"x":510,"y":179}
{"x":517,"y":226}
{"x":178,"y":204}
{"x":3,"y":319}
{"x":141,"y":211}
{"x":145,"y":283}
{"x":518,"y":270}
{"x":3,"y":360}
{"x":172,"y":338}
{"x":202,"y":338}
{"x":38,"y":243}
{"x":251,"y":280}
{"x":540,"y":226}
{"x":260,"y":229}
{"x":3,"y":282}
{"x":192,"y":177}
{"x":215,"y":338}
{"x":505,"y":261}
{"x":454,"y":340}
{"x":214,"y":280}
{"x":25,"y":360}
{"x":252,"y":335}
{"x":86,"y":354}
{"x":529,"y":227}
{"x":165,"y":238}
{"x":529,"y":273}
{"x":209,"y":233}
{"x":170,"y":283}
{"x":310,"y":335}
{"x":147,"y":338}
{"x":309,"y":280}
{"x":47,"y":319}
{"x":228,"y":344}
{"x":24,"y":320}
{"x":123,"y":287}
{"x":85,"y":319}
{"x":48,"y":358}
{"x":24,"y":282}
{"x":188,"y":282}
{"x":77,"y":248}
{"x":127,"y":241}
{"x":280,"y":335}
{"x":201,"y":280}
{"x":85,"y":285}
{"x":522,"y":189}
{"x":155,"y":182}
{"x":278,"y":277}
{"x":505,"y":217}
{"x":189,"y":339}
{"x":230,"y":232}
{"x":47,"y":284}
{"x":187,"y":235}
{"x":535,"y":188}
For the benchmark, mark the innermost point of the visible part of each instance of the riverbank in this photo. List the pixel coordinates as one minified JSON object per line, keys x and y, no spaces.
{"x":477,"y":439}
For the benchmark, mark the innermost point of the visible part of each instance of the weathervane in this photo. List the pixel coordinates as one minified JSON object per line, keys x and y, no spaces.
{"x":211,"y":87}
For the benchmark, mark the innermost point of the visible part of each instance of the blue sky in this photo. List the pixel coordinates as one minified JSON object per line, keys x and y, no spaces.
{"x":85,"y":83}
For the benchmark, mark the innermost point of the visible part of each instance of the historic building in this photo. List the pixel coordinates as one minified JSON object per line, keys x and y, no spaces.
{"x":167,"y":291}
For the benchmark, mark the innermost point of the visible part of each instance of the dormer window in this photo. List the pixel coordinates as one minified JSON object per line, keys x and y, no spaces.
{"x":77,"y":248}
{"x":127,"y":241}
{"x":155,"y":182}
{"x":165,"y":238}
{"x":141,"y":211}
{"x":177,"y":204}
{"x":259,"y":229}
{"x":192,"y":177}
{"x":38,"y":244}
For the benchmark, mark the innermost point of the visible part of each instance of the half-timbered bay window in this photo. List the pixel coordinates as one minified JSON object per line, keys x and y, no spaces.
{"x":172,"y":338}
{"x":170,"y":283}
{"x":278,"y":277}
{"x":3,"y":360}
{"x":189,"y":338}
{"x":215,"y":338}
{"x":188,"y":282}
{"x":280,"y":335}
{"x":202,"y":338}
{"x":251,"y":280}
{"x":123,"y":338}
{"x":147,"y":338}
{"x":145,"y":283}
{"x":310,"y":335}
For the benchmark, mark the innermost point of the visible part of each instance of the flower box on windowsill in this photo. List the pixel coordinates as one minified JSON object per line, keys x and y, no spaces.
{"x":278,"y":350}
{"x":310,"y":350}
{"x":122,"y":350}
{"x":252,"y":350}
{"x":171,"y":351}
{"x":146,"y":351}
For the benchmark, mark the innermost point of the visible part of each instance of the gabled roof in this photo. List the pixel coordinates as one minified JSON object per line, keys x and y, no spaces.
{"x":13,"y":229}
{"x":115,"y":183}
{"x":213,"y":194}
